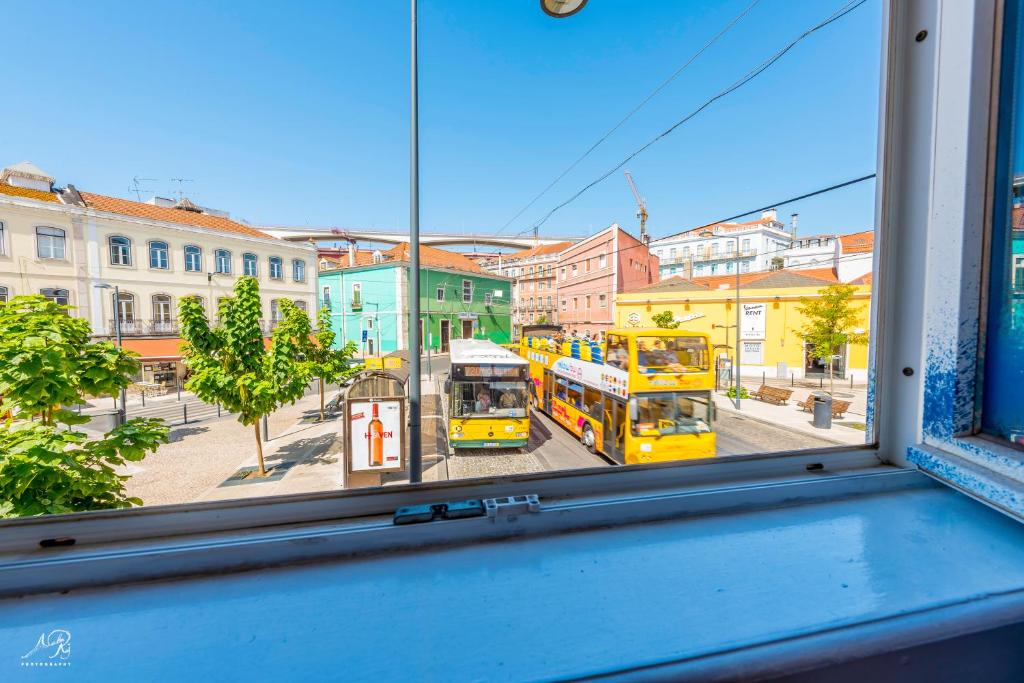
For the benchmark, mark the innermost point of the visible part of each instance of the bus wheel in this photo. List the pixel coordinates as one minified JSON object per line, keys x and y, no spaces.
{"x":588,"y":440}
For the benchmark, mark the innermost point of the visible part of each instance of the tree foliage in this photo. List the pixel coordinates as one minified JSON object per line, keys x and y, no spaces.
{"x":230,"y":364}
{"x":665,"y":320}
{"x":832,"y":318}
{"x":326,"y":362}
{"x":47,"y":362}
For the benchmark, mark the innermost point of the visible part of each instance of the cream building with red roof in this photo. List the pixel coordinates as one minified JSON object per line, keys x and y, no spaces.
{"x":63,"y":243}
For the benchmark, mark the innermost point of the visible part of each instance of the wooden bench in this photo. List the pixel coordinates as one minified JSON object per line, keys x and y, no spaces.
{"x":773,"y":395}
{"x":839,"y":408}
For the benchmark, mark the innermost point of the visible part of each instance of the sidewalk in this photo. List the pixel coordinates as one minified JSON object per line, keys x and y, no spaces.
{"x":792,"y":418}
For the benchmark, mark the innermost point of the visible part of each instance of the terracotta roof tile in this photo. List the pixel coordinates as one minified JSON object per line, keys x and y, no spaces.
{"x":858,"y":242}
{"x":672,"y":284}
{"x":772,"y":278}
{"x":27,"y":193}
{"x":440,"y":258}
{"x":539,"y":250}
{"x":865,"y":279}
{"x":127,"y":207}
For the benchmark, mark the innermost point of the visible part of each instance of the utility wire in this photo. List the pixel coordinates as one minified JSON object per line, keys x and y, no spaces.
{"x":635,"y":109}
{"x":764,"y":66}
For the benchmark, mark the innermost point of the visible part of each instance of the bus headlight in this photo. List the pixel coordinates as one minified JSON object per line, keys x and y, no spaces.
{"x":457,"y":429}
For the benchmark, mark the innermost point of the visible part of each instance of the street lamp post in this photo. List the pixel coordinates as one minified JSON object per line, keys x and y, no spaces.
{"x":554,"y":8}
{"x":739,"y":328}
{"x":120,"y":345}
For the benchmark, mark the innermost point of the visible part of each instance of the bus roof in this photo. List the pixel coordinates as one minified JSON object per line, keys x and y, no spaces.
{"x":473,"y":351}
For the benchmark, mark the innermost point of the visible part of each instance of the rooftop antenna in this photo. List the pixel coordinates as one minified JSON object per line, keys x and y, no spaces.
{"x":181,"y":182}
{"x":134,"y":186}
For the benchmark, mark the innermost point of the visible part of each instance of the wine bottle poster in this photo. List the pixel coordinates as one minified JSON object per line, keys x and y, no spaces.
{"x":375,"y":429}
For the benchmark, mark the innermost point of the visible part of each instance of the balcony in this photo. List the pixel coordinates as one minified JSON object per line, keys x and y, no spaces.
{"x":704,"y":256}
{"x":144,"y":328}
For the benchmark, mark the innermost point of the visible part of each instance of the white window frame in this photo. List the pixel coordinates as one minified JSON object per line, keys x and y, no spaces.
{"x":3,"y":239}
{"x":166,"y":252}
{"x":440,"y":295}
{"x":467,"y":291}
{"x":5,"y":293}
{"x":326,"y":297}
{"x":197,"y":257}
{"x":63,"y":237}
{"x":912,"y":302}
{"x":124,"y":251}
{"x":298,"y":270}
{"x":218,"y":261}
{"x":279,"y":262}
{"x":249,"y":258}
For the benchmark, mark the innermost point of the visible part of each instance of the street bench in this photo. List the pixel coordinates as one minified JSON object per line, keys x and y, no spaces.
{"x":839,"y":408}
{"x":775,"y":395}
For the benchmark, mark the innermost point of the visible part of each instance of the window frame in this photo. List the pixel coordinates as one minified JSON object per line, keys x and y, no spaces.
{"x":166,"y":251}
{"x":66,"y":297}
{"x":217,"y":261}
{"x":5,"y":294}
{"x":467,"y":296}
{"x":271,"y":261}
{"x":3,"y":239}
{"x":124,"y":249}
{"x":297,"y":266}
{"x":898,"y":203}
{"x":170,"y":307}
{"x":63,"y":242}
{"x":250,"y":258}
{"x":198,"y":256}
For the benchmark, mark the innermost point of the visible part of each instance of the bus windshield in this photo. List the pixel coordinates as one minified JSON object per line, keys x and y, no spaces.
{"x":675,"y":413}
{"x":672,"y":354}
{"x":489,"y":399}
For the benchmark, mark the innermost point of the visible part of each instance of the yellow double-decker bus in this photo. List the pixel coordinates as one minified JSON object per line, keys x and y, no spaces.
{"x":488,"y":403}
{"x":642,"y":396}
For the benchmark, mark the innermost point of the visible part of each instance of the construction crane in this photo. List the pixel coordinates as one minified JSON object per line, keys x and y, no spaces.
{"x":641,"y":208}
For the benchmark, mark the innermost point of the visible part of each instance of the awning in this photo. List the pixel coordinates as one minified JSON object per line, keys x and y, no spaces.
{"x":155,"y":349}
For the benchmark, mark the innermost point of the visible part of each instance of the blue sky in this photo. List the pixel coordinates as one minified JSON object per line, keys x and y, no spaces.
{"x":297,"y":113}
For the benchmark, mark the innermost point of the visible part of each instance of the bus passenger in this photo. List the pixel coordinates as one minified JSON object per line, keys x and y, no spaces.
{"x":618,"y":356}
{"x":507,"y":400}
{"x":483,"y":401}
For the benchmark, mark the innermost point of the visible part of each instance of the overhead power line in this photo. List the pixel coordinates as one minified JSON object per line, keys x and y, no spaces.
{"x":757,"y":71}
{"x":635,"y":109}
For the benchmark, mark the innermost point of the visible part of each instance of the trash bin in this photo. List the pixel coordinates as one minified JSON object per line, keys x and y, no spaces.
{"x":104,"y":422}
{"x":822,"y":410}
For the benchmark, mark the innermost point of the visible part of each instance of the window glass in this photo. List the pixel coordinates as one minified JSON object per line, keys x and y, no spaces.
{"x":50,"y":243}
{"x":1002,"y":408}
{"x":120,"y":251}
{"x":671,"y":413}
{"x":3,"y":294}
{"x":193,"y":259}
{"x":3,"y":240}
{"x":158,"y":257}
{"x":275,"y":268}
{"x":222,"y":257}
{"x":57,"y":296}
{"x":162,"y":310}
{"x":299,"y":270}
{"x":250,"y":265}
{"x":491,"y":399}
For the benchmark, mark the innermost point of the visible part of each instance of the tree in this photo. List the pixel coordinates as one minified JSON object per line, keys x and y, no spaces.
{"x":831,"y":322}
{"x":327,"y":363}
{"x":665,"y":320}
{"x":542,"y":319}
{"x":231,"y":365}
{"x":48,"y":361}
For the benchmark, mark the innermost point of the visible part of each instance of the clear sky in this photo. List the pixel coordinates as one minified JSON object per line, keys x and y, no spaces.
{"x":297,"y":113}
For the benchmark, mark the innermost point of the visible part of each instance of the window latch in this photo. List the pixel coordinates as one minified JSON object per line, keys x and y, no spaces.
{"x":505,"y":509}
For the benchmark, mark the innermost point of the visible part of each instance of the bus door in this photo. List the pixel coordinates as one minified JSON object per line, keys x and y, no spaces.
{"x":549,"y":380}
{"x":614,"y":428}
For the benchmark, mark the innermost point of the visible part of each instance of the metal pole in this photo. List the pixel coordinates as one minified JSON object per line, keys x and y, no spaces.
{"x":184,"y":413}
{"x":266,"y":429}
{"x":415,"y":454}
{"x":117,"y":331}
{"x":738,"y":322}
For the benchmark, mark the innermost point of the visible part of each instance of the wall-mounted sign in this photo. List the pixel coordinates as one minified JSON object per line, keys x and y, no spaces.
{"x":752,"y":321}
{"x":376,"y":435}
{"x":633,"y":318}
{"x":752,"y":353}
{"x":467,"y":316}
{"x":688,"y":317}
{"x":385,"y":363}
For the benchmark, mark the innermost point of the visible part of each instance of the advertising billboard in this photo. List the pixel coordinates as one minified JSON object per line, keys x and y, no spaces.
{"x":376,"y":435}
{"x":752,"y":322}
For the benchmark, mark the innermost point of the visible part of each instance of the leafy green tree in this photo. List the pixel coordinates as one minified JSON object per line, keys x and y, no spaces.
{"x":832,"y":319}
{"x":327,"y":363}
{"x":230,"y":364}
{"x":47,"y":362}
{"x":665,"y":320}
{"x":542,"y":319}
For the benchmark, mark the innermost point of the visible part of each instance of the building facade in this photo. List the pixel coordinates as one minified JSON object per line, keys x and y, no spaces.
{"x":770,"y":341}
{"x":850,"y":255}
{"x":76,"y":247}
{"x":534,"y":283}
{"x":458,"y":300}
{"x":592,"y":272}
{"x":720,"y":249}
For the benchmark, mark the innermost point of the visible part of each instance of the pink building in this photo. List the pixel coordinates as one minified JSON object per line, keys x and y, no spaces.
{"x":592,"y":272}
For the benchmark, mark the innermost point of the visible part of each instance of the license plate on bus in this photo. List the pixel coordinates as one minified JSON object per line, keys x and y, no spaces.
{"x":491,"y":444}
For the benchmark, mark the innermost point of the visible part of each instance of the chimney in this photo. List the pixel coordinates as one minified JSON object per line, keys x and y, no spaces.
{"x":351,"y":253}
{"x":769,"y":215}
{"x":792,"y":225}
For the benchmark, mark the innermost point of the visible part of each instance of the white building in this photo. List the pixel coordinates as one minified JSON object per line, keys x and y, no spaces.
{"x":695,"y":253}
{"x":849,"y":255}
{"x":66,"y":244}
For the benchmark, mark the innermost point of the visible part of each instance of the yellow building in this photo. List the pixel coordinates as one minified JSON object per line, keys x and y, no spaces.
{"x":771,"y":322}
